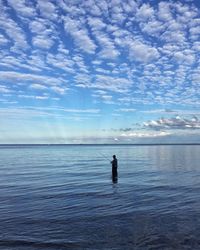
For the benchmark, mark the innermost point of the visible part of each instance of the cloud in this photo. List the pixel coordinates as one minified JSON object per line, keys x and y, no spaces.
{"x":14,"y":32}
{"x":174,"y":123}
{"x":41,"y":42}
{"x":125,"y":53}
{"x":43,"y":27}
{"x":11,"y":62}
{"x":153,"y":28}
{"x":41,"y":97}
{"x":34,"y":82}
{"x":22,"y":7}
{"x":19,"y":112}
{"x":61,"y":61}
{"x":3,"y":40}
{"x":108,"y":49}
{"x":126,"y":129}
{"x":38,"y":86}
{"x":28,"y":113}
{"x":96,"y":24}
{"x":91,"y":111}
{"x":80,"y":35}
{"x":44,"y":33}
{"x":116,"y":84}
{"x":47,"y":9}
{"x":144,"y":12}
{"x":127,"y":109}
{"x":4,"y":89}
{"x":16,"y":77}
{"x":164,"y":11}
{"x":105,"y":83}
{"x":191,"y":112}
{"x":36,"y":97}
{"x":59,"y":90}
{"x":186,"y":57}
{"x":145,"y":134}
{"x":142,"y":52}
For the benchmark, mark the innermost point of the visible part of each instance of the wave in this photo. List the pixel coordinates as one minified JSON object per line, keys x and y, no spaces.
{"x":29,"y":244}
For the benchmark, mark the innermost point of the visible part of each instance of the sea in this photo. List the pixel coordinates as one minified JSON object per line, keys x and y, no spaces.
{"x":58,"y":197}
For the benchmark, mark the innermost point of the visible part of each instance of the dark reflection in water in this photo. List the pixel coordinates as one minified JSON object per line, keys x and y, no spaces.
{"x":63,"y":198}
{"x":115,"y":176}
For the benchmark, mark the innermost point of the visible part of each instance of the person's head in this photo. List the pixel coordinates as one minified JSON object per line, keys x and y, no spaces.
{"x":114,"y":156}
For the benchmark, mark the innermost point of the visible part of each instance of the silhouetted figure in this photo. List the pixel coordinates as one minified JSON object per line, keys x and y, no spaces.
{"x":114,"y":168}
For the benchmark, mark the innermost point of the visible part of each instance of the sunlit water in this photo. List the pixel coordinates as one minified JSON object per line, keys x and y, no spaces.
{"x":63,"y":197}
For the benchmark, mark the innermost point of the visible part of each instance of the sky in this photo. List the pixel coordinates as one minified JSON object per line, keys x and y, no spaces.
{"x":99,"y":71}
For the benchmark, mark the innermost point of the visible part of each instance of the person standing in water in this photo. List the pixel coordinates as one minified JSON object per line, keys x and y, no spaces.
{"x":114,"y":166}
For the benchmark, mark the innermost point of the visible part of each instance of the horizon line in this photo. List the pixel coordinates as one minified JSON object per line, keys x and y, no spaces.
{"x":96,"y":144}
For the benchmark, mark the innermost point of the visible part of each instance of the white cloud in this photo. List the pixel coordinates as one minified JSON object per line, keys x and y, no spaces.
{"x":127,"y":109}
{"x":164,"y":12}
{"x":196,"y":46}
{"x":108,"y":49}
{"x":80,"y":35}
{"x":38,"y":26}
{"x":107,"y":98}
{"x":185,"y":57}
{"x":92,"y":7}
{"x":104,"y":83}
{"x":144,"y":12}
{"x":146,"y":134}
{"x":61,"y":61}
{"x":92,"y":111}
{"x":96,"y":23}
{"x":4,"y":89}
{"x":141,"y":52}
{"x":3,"y":40}
{"x":125,"y":52}
{"x":195,"y":77}
{"x":38,"y":86}
{"x":17,"y":112}
{"x":116,"y":84}
{"x":176,"y":37}
{"x":153,"y":28}
{"x":10,"y":27}
{"x":174,"y":123}
{"x":41,"y":97}
{"x":37,"y":62}
{"x":59,"y":90}
{"x":13,"y":62}
{"x":47,"y":9}
{"x":22,"y":7}
{"x":103,"y":6}
{"x":129,"y":6}
{"x":44,"y":33}
{"x":18,"y":78}
{"x":42,"y":42}
{"x":109,"y":52}
{"x":36,"y":97}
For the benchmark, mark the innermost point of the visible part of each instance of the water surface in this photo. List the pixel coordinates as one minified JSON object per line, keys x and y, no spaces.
{"x":63,"y":197}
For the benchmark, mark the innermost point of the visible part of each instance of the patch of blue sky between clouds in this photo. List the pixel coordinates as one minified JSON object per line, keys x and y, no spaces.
{"x":79,"y":71}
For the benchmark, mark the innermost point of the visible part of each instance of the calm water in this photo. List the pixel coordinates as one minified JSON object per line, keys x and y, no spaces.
{"x":63,"y":197}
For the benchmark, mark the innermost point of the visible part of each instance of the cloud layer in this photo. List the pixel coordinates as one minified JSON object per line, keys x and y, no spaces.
{"x":122,"y":58}
{"x":174,"y":123}
{"x":133,"y":51}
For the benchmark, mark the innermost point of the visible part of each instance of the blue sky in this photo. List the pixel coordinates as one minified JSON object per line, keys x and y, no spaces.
{"x":114,"y":71}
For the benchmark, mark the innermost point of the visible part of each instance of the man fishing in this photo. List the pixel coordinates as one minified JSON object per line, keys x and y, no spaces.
{"x":114,"y":166}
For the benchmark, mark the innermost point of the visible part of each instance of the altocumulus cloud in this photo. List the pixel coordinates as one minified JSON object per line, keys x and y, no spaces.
{"x":174,"y":123}
{"x":122,"y":56}
{"x":136,"y":44}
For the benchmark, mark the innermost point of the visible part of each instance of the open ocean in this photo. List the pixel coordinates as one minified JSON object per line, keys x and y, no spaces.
{"x":63,"y":197}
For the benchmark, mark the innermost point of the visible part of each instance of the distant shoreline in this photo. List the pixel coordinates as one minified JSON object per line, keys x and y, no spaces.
{"x":102,"y":144}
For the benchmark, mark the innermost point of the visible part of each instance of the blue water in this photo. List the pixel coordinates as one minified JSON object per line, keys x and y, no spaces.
{"x":63,"y":197}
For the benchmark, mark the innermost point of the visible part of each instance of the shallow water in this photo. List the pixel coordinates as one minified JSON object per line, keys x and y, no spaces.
{"x":63,"y":197}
